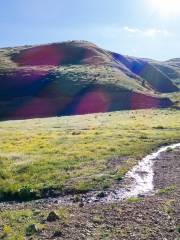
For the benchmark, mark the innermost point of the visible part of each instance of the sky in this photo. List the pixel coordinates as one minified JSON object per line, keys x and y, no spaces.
{"x":142,"y":28}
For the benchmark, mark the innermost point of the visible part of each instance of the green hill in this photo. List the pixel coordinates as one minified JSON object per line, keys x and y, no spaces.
{"x":171,"y":68}
{"x":161,"y":76}
{"x":76,"y":77}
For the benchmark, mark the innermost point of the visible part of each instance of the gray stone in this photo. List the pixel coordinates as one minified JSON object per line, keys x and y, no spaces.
{"x":52,"y":217}
{"x":31,"y":230}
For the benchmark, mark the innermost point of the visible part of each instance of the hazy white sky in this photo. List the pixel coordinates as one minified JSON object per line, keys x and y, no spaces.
{"x":145,"y":28}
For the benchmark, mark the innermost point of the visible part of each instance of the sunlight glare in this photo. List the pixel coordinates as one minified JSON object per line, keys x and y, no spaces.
{"x":166,"y":8}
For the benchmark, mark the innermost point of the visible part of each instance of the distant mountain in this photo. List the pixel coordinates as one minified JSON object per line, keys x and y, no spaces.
{"x":77,"y":77}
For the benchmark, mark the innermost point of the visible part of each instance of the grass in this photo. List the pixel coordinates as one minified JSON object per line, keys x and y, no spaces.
{"x":134,"y":200}
{"x":168,"y":206}
{"x":166,"y":190}
{"x":76,"y":154}
{"x":99,"y":74}
{"x":14,"y":223}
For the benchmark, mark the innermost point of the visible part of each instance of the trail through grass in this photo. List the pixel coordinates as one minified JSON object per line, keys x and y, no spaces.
{"x":79,"y":153}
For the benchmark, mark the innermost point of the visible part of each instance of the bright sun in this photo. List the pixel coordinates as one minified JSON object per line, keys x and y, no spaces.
{"x":166,"y":8}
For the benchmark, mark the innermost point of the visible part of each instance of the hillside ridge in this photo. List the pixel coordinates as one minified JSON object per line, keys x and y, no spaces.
{"x":78,"y":77}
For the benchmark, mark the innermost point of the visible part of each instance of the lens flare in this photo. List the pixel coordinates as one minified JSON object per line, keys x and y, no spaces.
{"x":93,"y":102}
{"x":166,"y":8}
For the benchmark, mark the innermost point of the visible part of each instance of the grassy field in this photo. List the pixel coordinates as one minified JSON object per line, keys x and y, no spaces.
{"x":80,"y":153}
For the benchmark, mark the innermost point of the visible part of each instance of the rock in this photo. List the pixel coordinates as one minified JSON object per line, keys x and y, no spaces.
{"x":57,"y":233}
{"x":141,"y":195}
{"x":76,"y":133}
{"x":164,"y":166}
{"x":43,"y":221}
{"x":52,"y":217}
{"x":101,"y":195}
{"x":81,"y":204}
{"x":76,"y":199}
{"x":31,"y":230}
{"x":171,"y":229}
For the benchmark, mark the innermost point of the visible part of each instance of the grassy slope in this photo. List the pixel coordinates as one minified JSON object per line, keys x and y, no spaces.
{"x":171,"y":68}
{"x":60,"y":75}
{"x":160,"y":76}
{"x":81,"y":62}
{"x":75,"y":153}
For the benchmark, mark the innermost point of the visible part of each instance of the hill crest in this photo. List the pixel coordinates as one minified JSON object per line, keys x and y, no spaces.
{"x":78,"y":77}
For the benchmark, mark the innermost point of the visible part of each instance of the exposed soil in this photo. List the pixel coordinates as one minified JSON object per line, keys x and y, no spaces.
{"x":167,"y":176}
